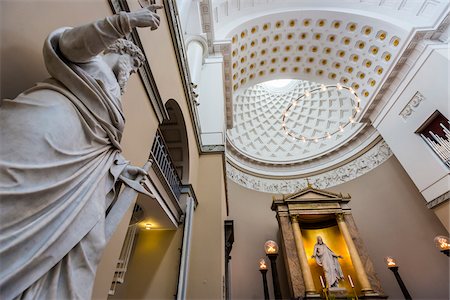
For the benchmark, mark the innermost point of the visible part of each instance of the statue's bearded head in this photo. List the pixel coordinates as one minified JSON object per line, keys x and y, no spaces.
{"x":124,"y":58}
{"x":319,"y":240}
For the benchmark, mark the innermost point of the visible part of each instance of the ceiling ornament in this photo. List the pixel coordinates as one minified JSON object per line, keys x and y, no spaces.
{"x":258,"y":134}
{"x":371,"y":159}
{"x":293,"y":112}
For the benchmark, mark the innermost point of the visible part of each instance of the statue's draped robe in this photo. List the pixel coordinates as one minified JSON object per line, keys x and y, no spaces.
{"x":59,"y":164}
{"x":328,"y":260}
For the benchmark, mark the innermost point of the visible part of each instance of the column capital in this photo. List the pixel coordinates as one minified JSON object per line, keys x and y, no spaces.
{"x":340,"y":217}
{"x":294,"y":218}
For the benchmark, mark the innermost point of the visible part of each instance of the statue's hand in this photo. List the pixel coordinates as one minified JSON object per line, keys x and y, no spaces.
{"x":132,"y":172}
{"x":145,"y":17}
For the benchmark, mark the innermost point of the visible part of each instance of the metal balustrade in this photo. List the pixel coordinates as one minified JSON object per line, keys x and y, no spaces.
{"x":160,"y":154}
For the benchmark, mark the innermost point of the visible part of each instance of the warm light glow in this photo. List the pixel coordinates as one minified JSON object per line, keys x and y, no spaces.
{"x":308,"y":94}
{"x":341,"y":129}
{"x":442,"y":242}
{"x":339,"y":86}
{"x":270,"y":247}
{"x":148,"y":226}
{"x":323,"y":88}
{"x":390,"y":262}
{"x":262,"y":264}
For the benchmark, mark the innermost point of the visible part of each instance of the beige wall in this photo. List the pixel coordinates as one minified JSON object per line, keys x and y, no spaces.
{"x":442,"y":211}
{"x":392,"y":219}
{"x":153,"y":268}
{"x":24,"y":25}
{"x":208,"y":249}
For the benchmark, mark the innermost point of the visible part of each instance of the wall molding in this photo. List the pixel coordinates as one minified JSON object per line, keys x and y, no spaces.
{"x":411,"y":105}
{"x":368,"y":161}
{"x":439,"y":200}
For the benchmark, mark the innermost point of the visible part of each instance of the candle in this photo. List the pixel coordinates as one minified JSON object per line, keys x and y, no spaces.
{"x":321,"y":281}
{"x":351,"y":282}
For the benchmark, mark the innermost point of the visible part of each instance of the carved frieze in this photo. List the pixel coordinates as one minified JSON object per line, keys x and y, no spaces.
{"x":412,"y":105}
{"x":353,"y":169}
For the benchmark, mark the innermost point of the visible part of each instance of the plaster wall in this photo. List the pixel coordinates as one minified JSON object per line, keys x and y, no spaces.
{"x":153,"y":269}
{"x":212,"y":102}
{"x":430,"y":78}
{"x":442,"y":211}
{"x":391,"y":217}
{"x":207,"y":259}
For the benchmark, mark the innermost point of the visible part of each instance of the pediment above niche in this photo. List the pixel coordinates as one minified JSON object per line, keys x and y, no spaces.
{"x":312,"y":194}
{"x":309,"y":199}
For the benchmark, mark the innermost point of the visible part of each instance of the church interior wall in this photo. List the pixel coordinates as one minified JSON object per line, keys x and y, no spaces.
{"x":24,"y":25}
{"x":207,"y":255}
{"x":153,"y":270}
{"x":108,"y":261}
{"x":429,"y":77}
{"x":442,"y":212}
{"x":392,"y":219}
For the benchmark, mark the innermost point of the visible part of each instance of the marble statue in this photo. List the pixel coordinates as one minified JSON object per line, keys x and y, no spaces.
{"x":60,"y":160}
{"x":328,"y":260}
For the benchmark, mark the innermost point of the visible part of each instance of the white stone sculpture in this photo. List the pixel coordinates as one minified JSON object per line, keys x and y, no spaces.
{"x":328,"y":260}
{"x":60,"y":160}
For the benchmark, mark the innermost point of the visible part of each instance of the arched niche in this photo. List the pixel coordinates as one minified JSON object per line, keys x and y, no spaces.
{"x":174,"y":133}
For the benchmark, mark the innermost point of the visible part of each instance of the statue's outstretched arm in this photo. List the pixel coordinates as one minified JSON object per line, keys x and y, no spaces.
{"x":81,"y":44}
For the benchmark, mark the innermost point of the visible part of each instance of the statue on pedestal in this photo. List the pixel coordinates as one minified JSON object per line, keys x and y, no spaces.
{"x":60,"y":160}
{"x":328,"y":260}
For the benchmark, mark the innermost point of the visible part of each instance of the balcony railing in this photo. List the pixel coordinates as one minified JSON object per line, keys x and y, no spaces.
{"x":166,"y":167}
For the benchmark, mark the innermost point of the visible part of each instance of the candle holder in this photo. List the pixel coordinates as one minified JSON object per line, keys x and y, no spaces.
{"x":442,"y":243}
{"x":263,"y":270}
{"x":392,"y":265}
{"x":324,"y":288}
{"x":271,"y":249}
{"x":352,"y":286}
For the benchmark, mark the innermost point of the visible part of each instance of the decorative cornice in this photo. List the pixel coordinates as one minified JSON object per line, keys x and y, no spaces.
{"x":213,"y":148}
{"x":351,"y":170}
{"x":439,"y":200}
{"x":144,"y":71}
{"x":411,"y":105}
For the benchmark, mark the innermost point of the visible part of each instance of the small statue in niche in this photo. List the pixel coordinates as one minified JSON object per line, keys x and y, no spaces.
{"x":328,"y":260}
{"x":60,"y":159}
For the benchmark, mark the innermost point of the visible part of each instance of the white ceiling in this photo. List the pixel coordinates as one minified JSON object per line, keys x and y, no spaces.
{"x":258,"y":111}
{"x":356,"y":43}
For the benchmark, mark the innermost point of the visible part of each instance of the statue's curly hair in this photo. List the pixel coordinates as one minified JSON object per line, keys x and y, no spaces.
{"x":123,"y":46}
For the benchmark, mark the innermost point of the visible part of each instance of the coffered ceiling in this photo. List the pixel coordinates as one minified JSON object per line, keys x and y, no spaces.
{"x":356,"y":43}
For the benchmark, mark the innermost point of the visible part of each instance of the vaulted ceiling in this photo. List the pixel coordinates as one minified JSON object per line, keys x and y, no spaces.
{"x":356,"y":43}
